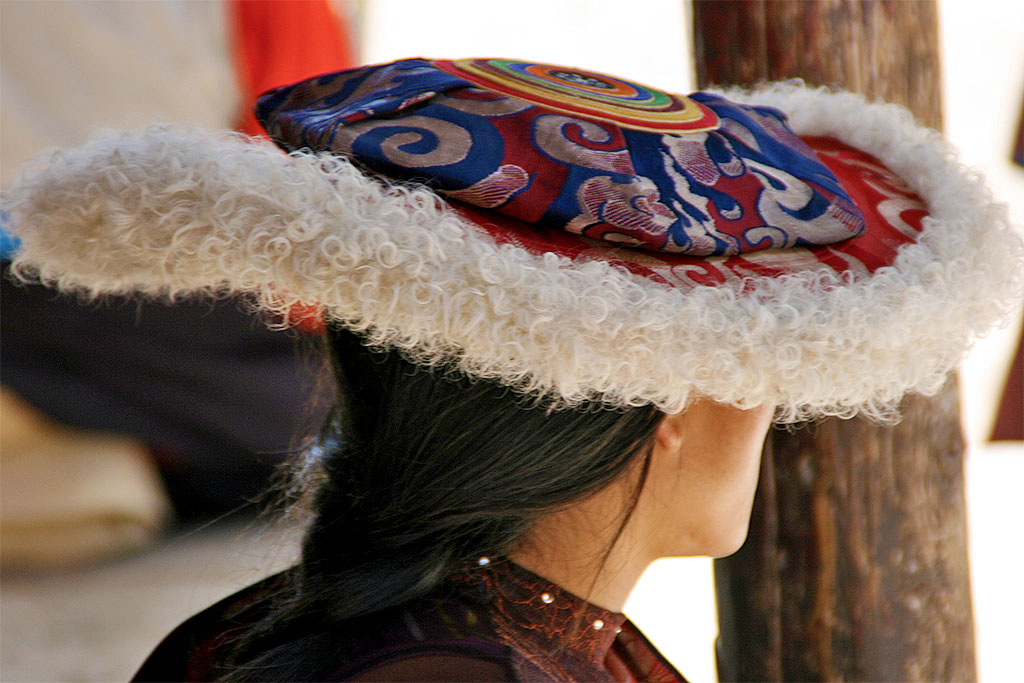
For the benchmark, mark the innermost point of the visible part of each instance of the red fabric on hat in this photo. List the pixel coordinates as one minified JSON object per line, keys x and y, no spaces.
{"x":893,"y":212}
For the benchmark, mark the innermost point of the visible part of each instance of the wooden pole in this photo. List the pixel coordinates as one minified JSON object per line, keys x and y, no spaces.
{"x":856,"y":564}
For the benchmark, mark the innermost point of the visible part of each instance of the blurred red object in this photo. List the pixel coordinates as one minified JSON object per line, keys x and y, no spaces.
{"x":278,"y":42}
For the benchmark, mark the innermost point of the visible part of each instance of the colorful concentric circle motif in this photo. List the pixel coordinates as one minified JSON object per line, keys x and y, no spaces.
{"x":587,"y":94}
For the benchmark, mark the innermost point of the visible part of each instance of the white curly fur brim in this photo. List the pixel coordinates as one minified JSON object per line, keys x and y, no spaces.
{"x":168,"y":212}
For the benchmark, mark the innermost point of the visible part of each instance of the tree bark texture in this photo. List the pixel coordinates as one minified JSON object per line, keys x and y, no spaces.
{"x":856,"y":564}
{"x":886,"y":49}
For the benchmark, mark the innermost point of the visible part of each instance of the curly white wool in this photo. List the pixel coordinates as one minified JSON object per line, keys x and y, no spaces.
{"x":168,"y":212}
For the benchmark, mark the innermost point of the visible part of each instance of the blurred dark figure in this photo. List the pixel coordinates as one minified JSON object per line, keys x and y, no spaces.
{"x":118,"y":415}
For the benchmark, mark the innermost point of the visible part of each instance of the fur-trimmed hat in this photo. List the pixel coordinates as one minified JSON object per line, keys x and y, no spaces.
{"x":573,"y":235}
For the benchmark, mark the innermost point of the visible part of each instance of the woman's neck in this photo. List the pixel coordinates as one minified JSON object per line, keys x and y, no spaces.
{"x":606,"y":587}
{"x":570,"y":548}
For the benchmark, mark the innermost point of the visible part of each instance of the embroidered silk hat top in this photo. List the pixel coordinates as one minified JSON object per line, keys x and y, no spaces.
{"x":576,"y":236}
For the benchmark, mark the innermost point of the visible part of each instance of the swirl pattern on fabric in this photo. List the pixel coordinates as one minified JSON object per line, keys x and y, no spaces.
{"x":577,"y":151}
{"x":894,"y":214}
{"x":586,"y":93}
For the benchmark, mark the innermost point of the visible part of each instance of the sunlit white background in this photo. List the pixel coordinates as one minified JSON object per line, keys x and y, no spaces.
{"x":648,"y":40}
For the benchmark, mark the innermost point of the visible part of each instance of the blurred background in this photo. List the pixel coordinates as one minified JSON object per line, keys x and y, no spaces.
{"x":98,"y":621}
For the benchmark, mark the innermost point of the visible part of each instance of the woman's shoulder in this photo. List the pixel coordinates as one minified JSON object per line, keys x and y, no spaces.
{"x":189,"y":652}
{"x":441,"y":665}
{"x":439,"y":637}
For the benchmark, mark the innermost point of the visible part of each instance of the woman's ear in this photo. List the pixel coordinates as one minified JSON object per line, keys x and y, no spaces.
{"x":669,"y":434}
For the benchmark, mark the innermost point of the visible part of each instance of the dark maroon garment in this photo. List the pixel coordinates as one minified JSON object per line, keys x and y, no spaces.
{"x":496,"y":623}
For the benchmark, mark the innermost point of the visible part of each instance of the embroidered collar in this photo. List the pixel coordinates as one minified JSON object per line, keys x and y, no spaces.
{"x":535,"y":615}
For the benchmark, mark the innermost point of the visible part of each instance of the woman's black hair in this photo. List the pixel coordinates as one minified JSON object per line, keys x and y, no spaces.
{"x":422,"y":471}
